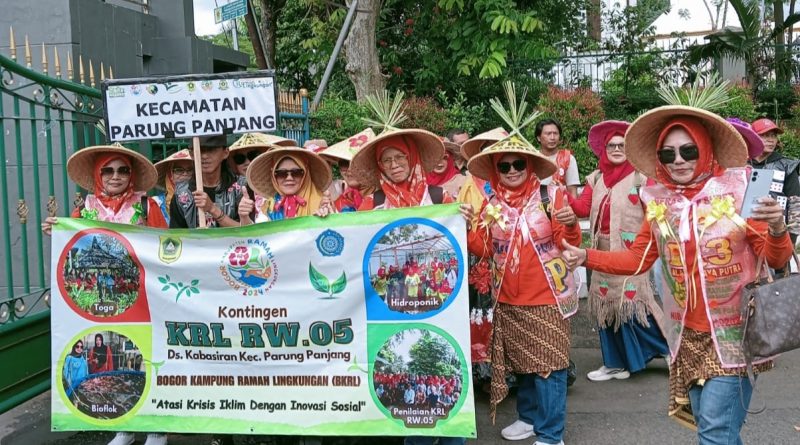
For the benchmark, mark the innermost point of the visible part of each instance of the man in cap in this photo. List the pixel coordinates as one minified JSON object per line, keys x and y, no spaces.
{"x":221,"y":192}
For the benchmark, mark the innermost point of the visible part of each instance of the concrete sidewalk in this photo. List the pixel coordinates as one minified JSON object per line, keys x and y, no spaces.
{"x":618,"y":412}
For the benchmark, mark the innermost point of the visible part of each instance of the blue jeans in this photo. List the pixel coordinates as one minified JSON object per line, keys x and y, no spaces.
{"x":543,"y":403}
{"x":427,"y":440}
{"x":719,"y":409}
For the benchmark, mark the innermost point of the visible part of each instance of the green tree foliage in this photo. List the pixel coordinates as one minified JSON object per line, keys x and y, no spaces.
{"x":752,"y":44}
{"x":432,"y":355}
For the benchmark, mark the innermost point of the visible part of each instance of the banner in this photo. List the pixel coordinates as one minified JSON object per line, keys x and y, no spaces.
{"x":193,"y":105}
{"x":354,"y":324}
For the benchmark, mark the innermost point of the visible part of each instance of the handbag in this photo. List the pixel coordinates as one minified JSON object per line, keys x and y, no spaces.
{"x":771,"y":315}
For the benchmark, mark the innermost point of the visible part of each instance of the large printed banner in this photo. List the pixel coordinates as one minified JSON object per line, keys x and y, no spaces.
{"x":191,"y":105}
{"x":355,"y":324}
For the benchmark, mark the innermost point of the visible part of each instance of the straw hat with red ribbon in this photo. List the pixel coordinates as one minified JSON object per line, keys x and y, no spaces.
{"x":346,"y":149}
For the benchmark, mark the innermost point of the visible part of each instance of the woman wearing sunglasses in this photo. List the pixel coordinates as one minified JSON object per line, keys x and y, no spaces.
{"x":624,"y":308}
{"x":175,"y":169}
{"x":119,"y":179}
{"x":535,"y":294}
{"x":708,"y":254}
{"x":293,"y":182}
{"x":76,"y":368}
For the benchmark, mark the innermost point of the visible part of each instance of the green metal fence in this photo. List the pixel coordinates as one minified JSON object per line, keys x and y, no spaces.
{"x":45,"y":118}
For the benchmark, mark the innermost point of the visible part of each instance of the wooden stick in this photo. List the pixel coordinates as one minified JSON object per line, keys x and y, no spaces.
{"x":198,"y":179}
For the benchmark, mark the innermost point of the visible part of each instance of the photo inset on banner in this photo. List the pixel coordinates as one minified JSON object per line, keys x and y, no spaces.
{"x":103,"y":374}
{"x":417,"y":377}
{"x":100,"y":276}
{"x":413,"y":268}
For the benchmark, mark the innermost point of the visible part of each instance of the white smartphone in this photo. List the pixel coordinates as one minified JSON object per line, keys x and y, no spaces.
{"x":759,"y":185}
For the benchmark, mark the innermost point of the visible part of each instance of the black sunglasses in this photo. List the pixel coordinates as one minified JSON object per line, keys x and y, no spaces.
{"x":239,"y":158}
{"x":109,"y":171}
{"x":505,"y":167}
{"x":689,"y":152}
{"x":293,"y":172}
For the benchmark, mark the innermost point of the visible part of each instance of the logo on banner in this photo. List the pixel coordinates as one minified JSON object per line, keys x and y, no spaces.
{"x":169,"y":249}
{"x":330,"y":243}
{"x":249,"y":266}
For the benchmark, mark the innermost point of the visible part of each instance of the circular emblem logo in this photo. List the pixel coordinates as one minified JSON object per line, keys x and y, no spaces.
{"x":249,"y":266}
{"x":330,"y":243}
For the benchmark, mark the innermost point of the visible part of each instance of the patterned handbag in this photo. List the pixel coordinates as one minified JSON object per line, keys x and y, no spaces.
{"x":771,"y":314}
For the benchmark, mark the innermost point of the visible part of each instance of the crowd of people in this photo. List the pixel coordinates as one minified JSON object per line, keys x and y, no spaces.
{"x":409,"y":390}
{"x":416,"y":279}
{"x":656,"y":179}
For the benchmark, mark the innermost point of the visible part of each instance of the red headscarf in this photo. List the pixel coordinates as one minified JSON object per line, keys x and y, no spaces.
{"x":112,"y":202}
{"x":410,"y":192}
{"x":706,"y":165}
{"x":613,"y":173}
{"x":451,"y":170}
{"x":518,"y":196}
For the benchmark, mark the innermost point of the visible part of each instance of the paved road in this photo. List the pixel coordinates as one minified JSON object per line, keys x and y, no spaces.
{"x":613,"y":413}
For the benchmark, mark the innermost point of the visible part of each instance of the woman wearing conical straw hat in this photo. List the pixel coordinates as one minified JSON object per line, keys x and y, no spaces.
{"x":624,"y":308}
{"x":395,"y":164}
{"x":535,"y":292}
{"x":294,"y":182}
{"x":119,"y":179}
{"x":396,"y":161}
{"x":341,"y":154}
{"x":241,"y":153}
{"x":173,"y":170}
{"x":696,"y":160}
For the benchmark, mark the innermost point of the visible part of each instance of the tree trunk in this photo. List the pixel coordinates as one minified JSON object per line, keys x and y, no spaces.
{"x":269,"y":23}
{"x":593,"y":20}
{"x":361,"y":53}
{"x":253,"y":31}
{"x":710,"y":15}
{"x":781,"y":71}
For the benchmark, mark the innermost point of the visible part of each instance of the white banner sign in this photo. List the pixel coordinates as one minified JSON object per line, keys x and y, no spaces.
{"x":186,"y":106}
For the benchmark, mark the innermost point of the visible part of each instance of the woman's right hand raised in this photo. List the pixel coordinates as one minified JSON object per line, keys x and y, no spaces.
{"x":47,"y":225}
{"x":246,"y":207}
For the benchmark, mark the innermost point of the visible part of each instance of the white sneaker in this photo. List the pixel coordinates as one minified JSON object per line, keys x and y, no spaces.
{"x":122,"y":439}
{"x":604,"y":373}
{"x":542,"y":443}
{"x":156,"y":439}
{"x":517,"y":431}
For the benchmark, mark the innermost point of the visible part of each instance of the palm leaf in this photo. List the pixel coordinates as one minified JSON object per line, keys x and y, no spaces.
{"x":388,"y":111}
{"x":710,"y":97}
{"x":513,"y":113}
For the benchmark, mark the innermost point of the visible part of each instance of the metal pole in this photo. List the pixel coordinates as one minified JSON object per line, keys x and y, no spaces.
{"x":235,"y":36}
{"x":342,"y":35}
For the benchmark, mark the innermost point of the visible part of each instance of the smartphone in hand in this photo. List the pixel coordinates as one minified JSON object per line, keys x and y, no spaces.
{"x":759,"y":185}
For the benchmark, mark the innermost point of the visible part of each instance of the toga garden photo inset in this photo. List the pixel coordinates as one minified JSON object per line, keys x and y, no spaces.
{"x":100,"y":276}
{"x":413,"y":268}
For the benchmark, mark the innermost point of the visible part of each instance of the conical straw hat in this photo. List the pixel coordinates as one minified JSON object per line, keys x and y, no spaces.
{"x":259,"y":172}
{"x":347,"y":148}
{"x":473,"y":146}
{"x":163,"y":166}
{"x":80,"y":166}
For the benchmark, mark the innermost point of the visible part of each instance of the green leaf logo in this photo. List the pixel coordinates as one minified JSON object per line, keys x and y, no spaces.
{"x":322,"y":284}
{"x":183,"y":289}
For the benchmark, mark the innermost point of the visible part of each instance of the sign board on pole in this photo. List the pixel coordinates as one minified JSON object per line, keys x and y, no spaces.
{"x":233,"y":10}
{"x":192,"y":105}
